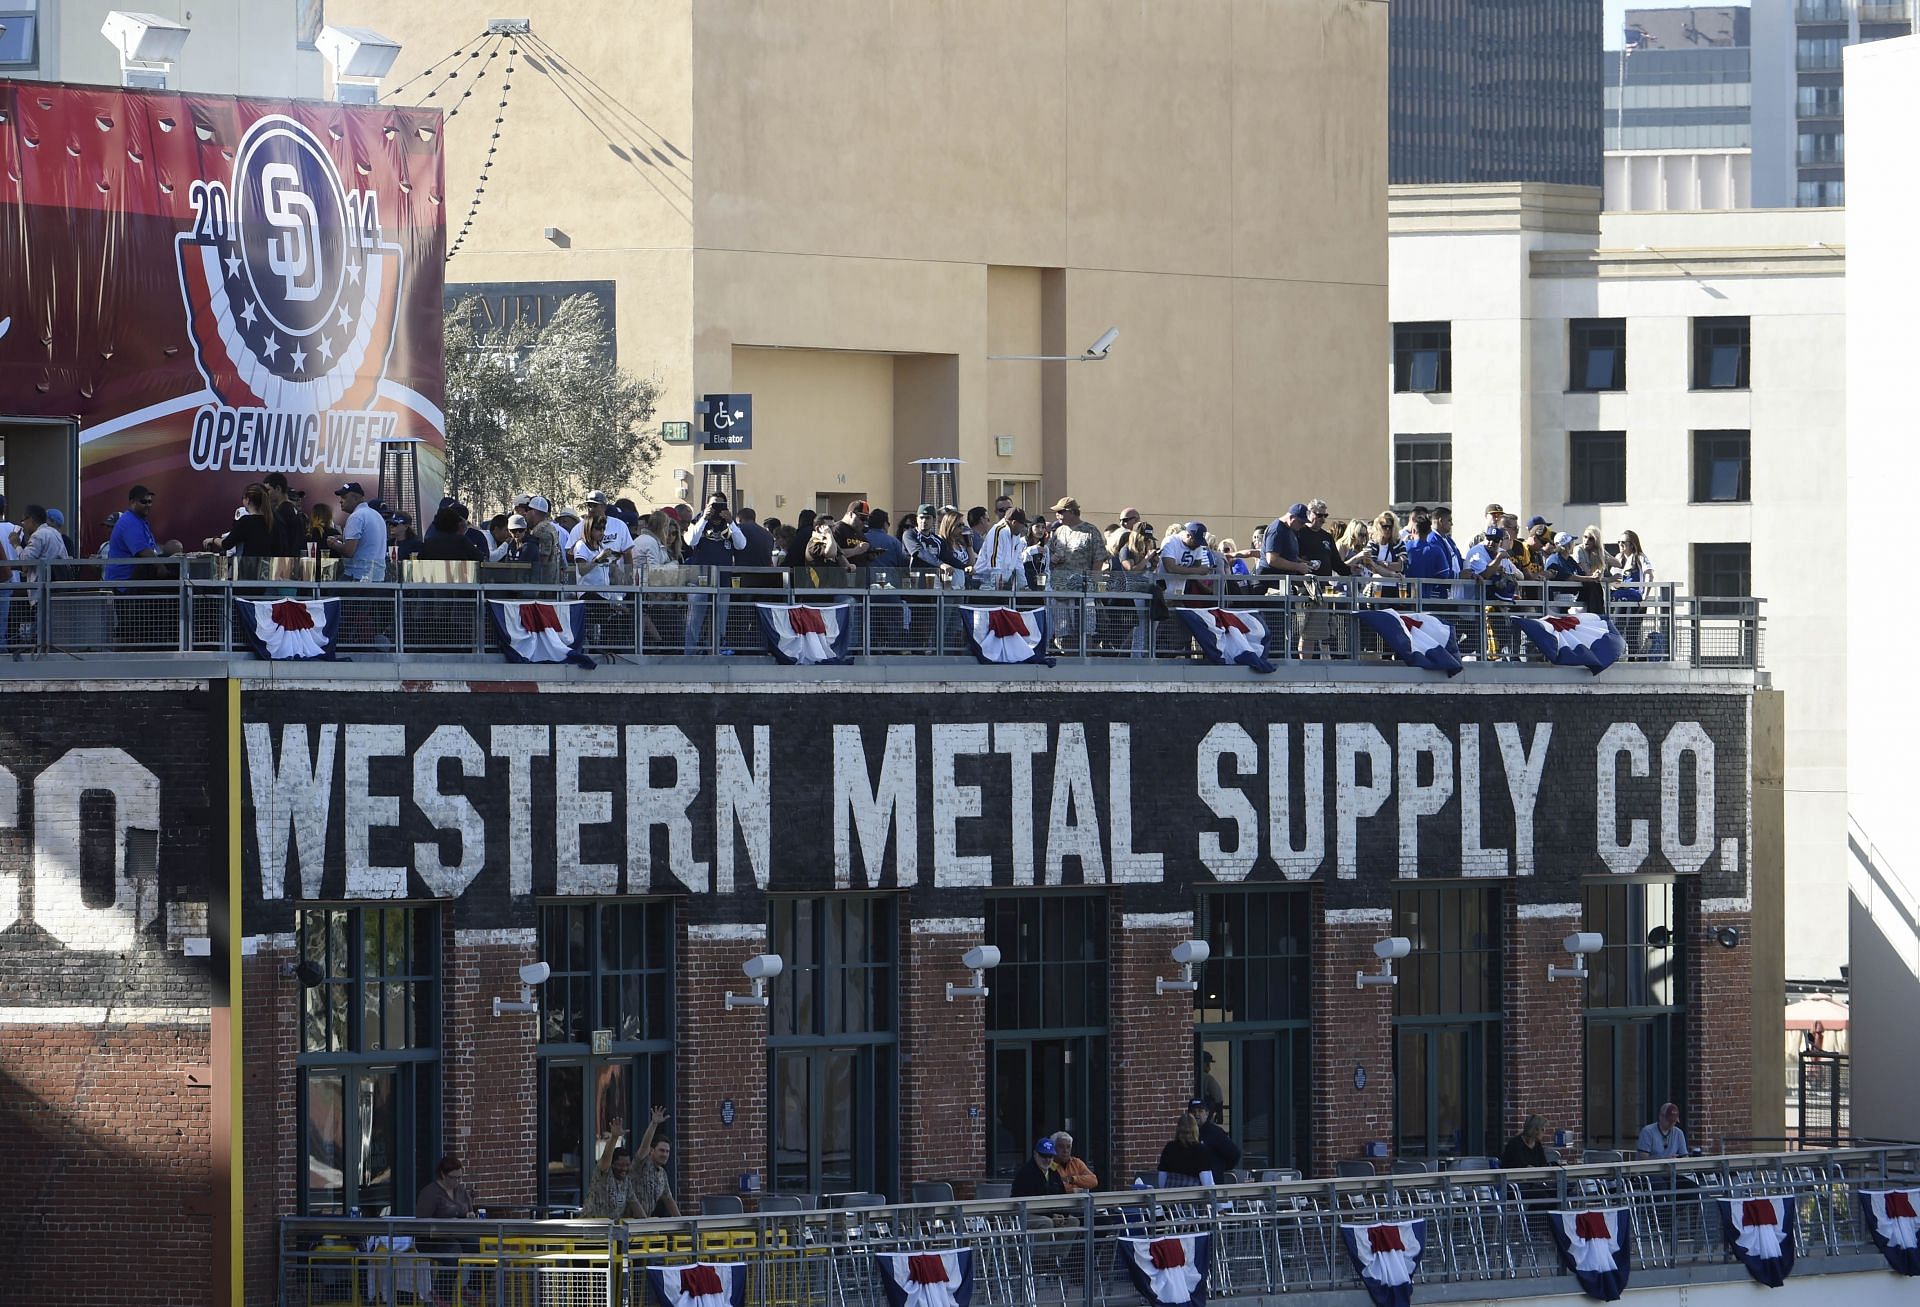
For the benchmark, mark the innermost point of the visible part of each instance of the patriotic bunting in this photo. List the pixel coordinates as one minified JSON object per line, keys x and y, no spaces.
{"x":543,"y":632}
{"x":1759,"y":1232}
{"x":1596,"y":1247}
{"x":1892,"y":1223}
{"x":1386,"y":1257}
{"x":1229,"y":636}
{"x":703,"y":1284}
{"x":940,"y":1278}
{"x":289,"y":629}
{"x":1575,"y":638}
{"x":1417,"y":639}
{"x":1169,"y":1271}
{"x":801,"y":634}
{"x":1006,"y":635}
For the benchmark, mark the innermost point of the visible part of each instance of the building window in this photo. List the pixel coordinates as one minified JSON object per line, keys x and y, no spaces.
{"x":1251,"y":1018}
{"x":612,"y":976}
{"x":831,"y":1046}
{"x":1422,"y":470}
{"x":1423,"y":357}
{"x":1635,"y":1003}
{"x":1722,"y":467}
{"x":1821,"y":149}
{"x":368,"y":1093}
{"x":1821,"y":102}
{"x":1723,"y":571}
{"x":309,"y":17}
{"x":19,"y":38}
{"x":1820,"y":195}
{"x":1047,"y":1026}
{"x":1447,"y":1022}
{"x":1720,"y":349}
{"x":1597,"y":354}
{"x":1596,"y":467}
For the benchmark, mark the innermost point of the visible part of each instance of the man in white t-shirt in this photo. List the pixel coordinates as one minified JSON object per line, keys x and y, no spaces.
{"x":362,"y":542}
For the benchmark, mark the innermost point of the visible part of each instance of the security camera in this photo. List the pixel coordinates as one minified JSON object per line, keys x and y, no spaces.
{"x":535,"y":973}
{"x":763,"y":966}
{"x":1099,"y":348}
{"x":1192,"y":952}
{"x":1583,"y":943}
{"x":1393,"y":948}
{"x":981,"y":957}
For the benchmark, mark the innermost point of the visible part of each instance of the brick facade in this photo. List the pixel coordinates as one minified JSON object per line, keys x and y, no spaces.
{"x":1150,"y":1045}
{"x":720,"y":1055}
{"x":1352,"y":1031}
{"x":270,"y":1107}
{"x":1543,"y":1031}
{"x":943,"y":1059}
{"x":1720,"y":1033}
{"x":489,"y":1092}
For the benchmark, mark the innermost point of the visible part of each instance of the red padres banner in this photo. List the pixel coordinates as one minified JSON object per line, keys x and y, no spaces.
{"x":217,"y":288}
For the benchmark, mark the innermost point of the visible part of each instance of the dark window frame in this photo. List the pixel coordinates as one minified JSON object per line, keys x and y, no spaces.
{"x":830,"y":964}
{"x":1423,"y":358}
{"x":31,"y":59}
{"x":334,"y":935}
{"x":1422,"y":469}
{"x":1637,"y":991}
{"x":1261,"y":941}
{"x":1470,"y":1009}
{"x":1585,"y":343}
{"x":1586,"y":469}
{"x":1711,"y":450}
{"x":1723,"y":353}
{"x":639,"y":1058}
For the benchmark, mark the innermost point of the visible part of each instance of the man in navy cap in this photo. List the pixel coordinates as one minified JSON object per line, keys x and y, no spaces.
{"x":362,"y":541}
{"x":1038,"y":1177}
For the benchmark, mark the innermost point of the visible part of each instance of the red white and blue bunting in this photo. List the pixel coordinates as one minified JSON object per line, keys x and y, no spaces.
{"x":1416,"y":639}
{"x":1169,"y":1271}
{"x":289,"y":629}
{"x":543,"y":632}
{"x":1596,"y":1247}
{"x":1892,"y":1222}
{"x":1759,"y":1232}
{"x":1229,"y":636}
{"x":942,"y":1277}
{"x":1386,"y":1257}
{"x":703,"y":1284}
{"x":1006,"y":635}
{"x":1575,"y":638}
{"x":802,"y":634}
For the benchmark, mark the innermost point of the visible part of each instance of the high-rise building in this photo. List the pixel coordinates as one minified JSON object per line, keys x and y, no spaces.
{"x":1495,"y":91}
{"x":1799,"y":96}
{"x":1679,"y":110}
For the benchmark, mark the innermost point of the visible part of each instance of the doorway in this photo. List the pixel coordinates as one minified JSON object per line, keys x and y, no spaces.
{"x":40,"y":464}
{"x":1039,"y":1086}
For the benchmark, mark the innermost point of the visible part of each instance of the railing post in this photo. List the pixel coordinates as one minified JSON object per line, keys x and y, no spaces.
{"x":1087,"y":1247}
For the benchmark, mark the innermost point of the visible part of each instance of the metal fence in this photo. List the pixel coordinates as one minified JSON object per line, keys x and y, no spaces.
{"x":1275,"y":1236}
{"x":69,"y":610}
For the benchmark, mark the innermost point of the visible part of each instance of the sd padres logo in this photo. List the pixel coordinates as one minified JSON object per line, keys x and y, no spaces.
{"x":291,"y":298}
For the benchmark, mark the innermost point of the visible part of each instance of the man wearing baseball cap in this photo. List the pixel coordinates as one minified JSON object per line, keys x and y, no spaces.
{"x":548,"y":539}
{"x":362,"y":542}
{"x":1038,"y":1177}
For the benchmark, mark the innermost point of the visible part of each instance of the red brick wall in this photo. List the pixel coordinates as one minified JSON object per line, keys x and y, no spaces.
{"x":490,"y":1091}
{"x":943,"y":1060}
{"x":1150,"y":1042}
{"x":719,"y":1055}
{"x":105,"y":1179}
{"x":1719,"y":1031}
{"x":1351,"y":1027}
{"x":1543,"y":1030}
{"x":270,"y":1140}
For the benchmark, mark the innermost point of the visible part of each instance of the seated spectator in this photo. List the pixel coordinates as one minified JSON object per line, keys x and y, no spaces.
{"x":1528,"y":1148}
{"x":1075,"y":1174}
{"x":1185,"y":1160}
{"x":1663,"y":1138}
{"x":1038,"y":1177}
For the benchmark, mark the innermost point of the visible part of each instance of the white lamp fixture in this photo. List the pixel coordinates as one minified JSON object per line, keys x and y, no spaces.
{"x":1579,"y":945}
{"x":1189,"y":954}
{"x":360,"y":57}
{"x":1387,"y":950}
{"x":980,"y":959}
{"x":148,"y":45}
{"x":534,"y":973}
{"x":1095,"y":352}
{"x":759,"y":969}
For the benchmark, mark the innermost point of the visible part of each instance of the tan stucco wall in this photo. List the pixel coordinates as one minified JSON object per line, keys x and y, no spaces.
{"x":947,"y":179}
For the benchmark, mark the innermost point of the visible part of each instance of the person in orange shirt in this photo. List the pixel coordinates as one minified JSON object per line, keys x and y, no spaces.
{"x":1075,"y":1174}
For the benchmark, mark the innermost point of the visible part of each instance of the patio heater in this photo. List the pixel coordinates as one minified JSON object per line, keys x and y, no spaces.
{"x":939,"y":481}
{"x":719,"y":476}
{"x":400,"y":476}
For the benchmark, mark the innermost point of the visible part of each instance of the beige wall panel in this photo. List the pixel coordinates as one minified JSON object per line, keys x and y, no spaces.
{"x":822,"y":422}
{"x":912,"y":129}
{"x":1014,"y":390}
{"x":1149,"y":135}
{"x":1309,"y":413}
{"x":1309,"y":169}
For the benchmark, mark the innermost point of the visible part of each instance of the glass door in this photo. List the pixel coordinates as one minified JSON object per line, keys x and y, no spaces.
{"x":1039,"y":1086}
{"x":821,"y":1096}
{"x":1258,"y":1082}
{"x":579,"y":1099}
{"x":1440,"y":1091}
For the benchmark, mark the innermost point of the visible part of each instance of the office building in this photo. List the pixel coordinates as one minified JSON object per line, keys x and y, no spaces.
{"x":237,"y":47}
{"x":1799,"y":93}
{"x":1496,"y":91}
{"x":1679,"y":109}
{"x":1675,"y":374}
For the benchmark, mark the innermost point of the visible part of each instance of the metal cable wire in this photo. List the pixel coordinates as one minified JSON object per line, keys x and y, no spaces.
{"x":493,"y":148}
{"x":457,"y":58}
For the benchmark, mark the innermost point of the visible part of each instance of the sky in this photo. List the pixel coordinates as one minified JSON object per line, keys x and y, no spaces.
{"x":1617,"y":14}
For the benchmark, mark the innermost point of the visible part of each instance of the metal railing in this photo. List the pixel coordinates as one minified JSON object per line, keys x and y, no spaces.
{"x":68,"y":610}
{"x":1272,"y":1237}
